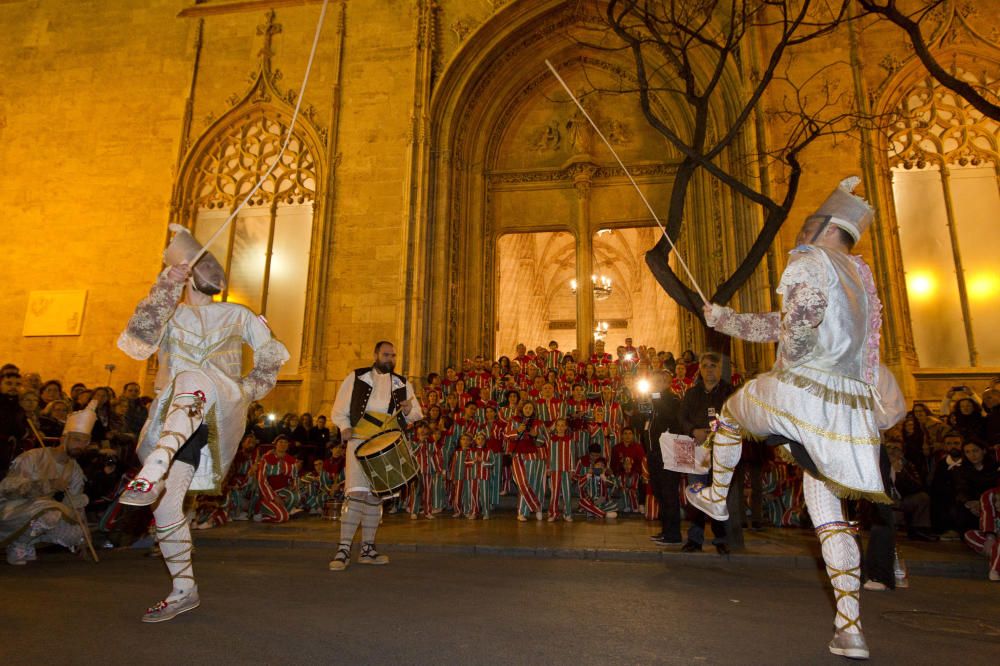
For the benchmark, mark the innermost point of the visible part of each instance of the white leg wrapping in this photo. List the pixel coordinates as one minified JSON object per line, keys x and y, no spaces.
{"x":727,"y":447}
{"x":173,"y":532}
{"x":350,"y":518}
{"x":184,"y":417}
{"x":840,"y":552}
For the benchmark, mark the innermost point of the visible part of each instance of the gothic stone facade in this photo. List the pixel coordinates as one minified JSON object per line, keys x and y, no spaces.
{"x":428,"y":130}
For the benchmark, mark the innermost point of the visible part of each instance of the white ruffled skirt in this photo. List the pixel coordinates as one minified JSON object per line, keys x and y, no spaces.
{"x":832,"y":416}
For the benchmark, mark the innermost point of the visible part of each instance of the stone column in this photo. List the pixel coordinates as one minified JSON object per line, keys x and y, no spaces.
{"x":582,"y":174}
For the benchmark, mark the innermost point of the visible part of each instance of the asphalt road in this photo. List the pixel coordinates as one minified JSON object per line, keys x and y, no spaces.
{"x":282,"y":606}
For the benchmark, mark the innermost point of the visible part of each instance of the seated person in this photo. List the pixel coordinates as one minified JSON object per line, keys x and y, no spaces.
{"x":908,"y":494}
{"x":324,"y":482}
{"x":945,"y":459}
{"x":278,"y":484}
{"x":596,"y":485}
{"x":42,"y":495}
{"x":973,"y":477}
{"x":984,"y":540}
{"x":626,"y":462}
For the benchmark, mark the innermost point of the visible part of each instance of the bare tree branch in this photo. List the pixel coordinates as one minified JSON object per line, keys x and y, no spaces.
{"x":688,"y":49}
{"x":911,"y":27}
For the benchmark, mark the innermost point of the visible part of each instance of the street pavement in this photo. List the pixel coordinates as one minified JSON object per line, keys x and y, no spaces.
{"x":280,"y":605}
{"x":622,"y":539}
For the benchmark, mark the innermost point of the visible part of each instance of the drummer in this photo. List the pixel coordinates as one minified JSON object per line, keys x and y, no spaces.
{"x":368,"y":394}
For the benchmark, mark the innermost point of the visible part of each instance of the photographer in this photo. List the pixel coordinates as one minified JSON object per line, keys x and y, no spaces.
{"x":700,"y":405}
{"x":661,"y":409}
{"x":952,"y":398}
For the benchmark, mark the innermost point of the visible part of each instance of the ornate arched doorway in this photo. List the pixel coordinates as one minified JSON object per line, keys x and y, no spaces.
{"x":509,"y":155}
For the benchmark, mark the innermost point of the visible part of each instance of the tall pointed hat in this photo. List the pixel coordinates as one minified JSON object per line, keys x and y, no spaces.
{"x":846,"y":210}
{"x":209,"y":276}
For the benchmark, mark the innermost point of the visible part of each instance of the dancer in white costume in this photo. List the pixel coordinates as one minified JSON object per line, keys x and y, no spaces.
{"x":199,"y":415}
{"x":822,"y":394}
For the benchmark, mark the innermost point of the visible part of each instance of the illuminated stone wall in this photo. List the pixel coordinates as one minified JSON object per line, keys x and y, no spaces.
{"x":90,"y":116}
{"x":431,"y":119}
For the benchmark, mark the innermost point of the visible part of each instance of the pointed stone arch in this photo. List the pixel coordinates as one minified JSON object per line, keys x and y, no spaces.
{"x":224,"y":163}
{"x":932,"y":128}
{"x":484,"y":85}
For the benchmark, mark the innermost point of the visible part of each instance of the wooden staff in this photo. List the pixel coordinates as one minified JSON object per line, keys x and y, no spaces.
{"x":81,"y":520}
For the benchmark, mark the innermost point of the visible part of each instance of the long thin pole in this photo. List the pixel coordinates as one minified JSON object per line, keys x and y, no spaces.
{"x":79,"y":519}
{"x":642,"y":196}
{"x":288,"y":138}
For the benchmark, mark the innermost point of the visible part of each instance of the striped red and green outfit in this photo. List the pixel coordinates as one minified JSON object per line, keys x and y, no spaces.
{"x":278,"y":487}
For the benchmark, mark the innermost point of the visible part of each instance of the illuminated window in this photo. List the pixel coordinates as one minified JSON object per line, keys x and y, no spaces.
{"x":266,"y":249}
{"x":944,"y":158}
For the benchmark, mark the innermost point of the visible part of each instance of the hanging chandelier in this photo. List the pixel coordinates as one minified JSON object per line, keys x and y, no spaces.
{"x":601,"y":331}
{"x":601,"y":284}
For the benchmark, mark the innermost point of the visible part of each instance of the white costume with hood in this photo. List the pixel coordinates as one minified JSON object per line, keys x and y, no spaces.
{"x":31,"y":509}
{"x":822,"y":390}
{"x":207,"y":340}
{"x":826,"y":393}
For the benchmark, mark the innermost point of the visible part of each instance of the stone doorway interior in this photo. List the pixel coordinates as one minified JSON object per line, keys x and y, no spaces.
{"x":537,"y":303}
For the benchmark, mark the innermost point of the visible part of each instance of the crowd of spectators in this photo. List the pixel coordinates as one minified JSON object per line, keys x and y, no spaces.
{"x":580,"y":427}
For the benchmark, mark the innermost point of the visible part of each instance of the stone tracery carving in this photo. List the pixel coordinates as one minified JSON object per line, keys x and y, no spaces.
{"x":238,"y":148}
{"x":933,"y":124}
{"x":229,"y":169}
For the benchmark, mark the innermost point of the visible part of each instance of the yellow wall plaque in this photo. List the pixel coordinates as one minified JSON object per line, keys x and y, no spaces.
{"x":54,"y":312}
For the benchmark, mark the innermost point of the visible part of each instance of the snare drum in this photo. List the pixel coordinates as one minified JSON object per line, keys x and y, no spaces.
{"x":387,"y":462}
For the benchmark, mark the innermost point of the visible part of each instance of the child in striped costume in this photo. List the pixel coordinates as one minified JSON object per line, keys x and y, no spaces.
{"x":460,"y":475}
{"x":553,"y":357}
{"x":612,"y":408}
{"x":549,"y":406}
{"x":984,"y":540}
{"x":627,"y":457}
{"x":240,"y":487}
{"x":529,"y":463}
{"x":600,"y":432}
{"x":332,"y":475}
{"x":479,"y":490}
{"x":278,"y":484}
{"x":457,"y":426}
{"x":439,"y":476}
{"x":596,"y":485}
{"x":512,"y":408}
{"x":561,"y":444}
{"x":629,"y":481}
{"x":420,"y":498}
{"x":494,"y":428}
{"x":239,"y":492}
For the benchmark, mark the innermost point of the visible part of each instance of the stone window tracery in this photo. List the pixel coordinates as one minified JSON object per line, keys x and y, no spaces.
{"x":944,"y":156}
{"x":266,"y":250}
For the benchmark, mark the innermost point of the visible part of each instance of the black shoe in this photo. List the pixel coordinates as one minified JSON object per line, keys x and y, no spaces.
{"x":656,"y":537}
{"x":691,"y":547}
{"x":756,"y":526}
{"x":722,"y":549}
{"x":920,"y":535}
{"x":665,"y":541}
